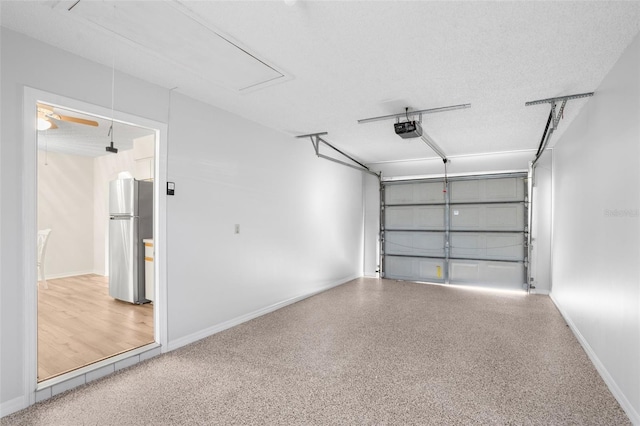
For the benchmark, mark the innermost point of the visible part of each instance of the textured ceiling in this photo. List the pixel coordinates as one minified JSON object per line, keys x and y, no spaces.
{"x":350,"y":60}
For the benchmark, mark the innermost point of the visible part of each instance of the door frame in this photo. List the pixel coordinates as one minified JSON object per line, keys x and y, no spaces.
{"x":29,"y":229}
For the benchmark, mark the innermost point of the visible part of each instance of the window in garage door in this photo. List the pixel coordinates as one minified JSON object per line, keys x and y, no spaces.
{"x":474,"y":233}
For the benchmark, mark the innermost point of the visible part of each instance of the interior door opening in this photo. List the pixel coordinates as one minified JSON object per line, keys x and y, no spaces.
{"x":87,"y":267}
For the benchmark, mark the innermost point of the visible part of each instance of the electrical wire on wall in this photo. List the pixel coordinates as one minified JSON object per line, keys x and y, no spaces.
{"x":46,"y":147}
{"x":111,"y":148}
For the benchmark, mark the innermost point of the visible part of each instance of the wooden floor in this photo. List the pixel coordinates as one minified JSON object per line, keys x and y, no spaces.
{"x":79,"y":324}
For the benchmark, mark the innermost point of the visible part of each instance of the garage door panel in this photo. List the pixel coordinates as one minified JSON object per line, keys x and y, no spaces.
{"x":490,"y":246}
{"x":414,"y":193}
{"x":415,"y":217}
{"x":482,"y":242}
{"x":507,"y":217}
{"x":466,"y":217}
{"x":505,"y":246}
{"x":414,"y":268}
{"x":503,"y":275}
{"x":511,"y":189}
{"x":415,"y":243}
{"x":488,"y":217}
{"x":483,"y":190}
{"x":465,"y":191}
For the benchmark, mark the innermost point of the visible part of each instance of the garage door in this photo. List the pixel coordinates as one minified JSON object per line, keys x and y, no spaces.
{"x":474,"y":233}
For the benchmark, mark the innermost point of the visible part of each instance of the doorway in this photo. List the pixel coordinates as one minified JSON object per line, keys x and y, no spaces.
{"x":156,"y":313}
{"x":80,"y":320}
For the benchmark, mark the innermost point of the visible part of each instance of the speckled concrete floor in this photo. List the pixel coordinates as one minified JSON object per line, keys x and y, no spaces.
{"x":368,"y":352}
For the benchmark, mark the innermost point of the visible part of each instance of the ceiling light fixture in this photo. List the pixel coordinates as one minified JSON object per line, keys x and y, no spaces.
{"x":43,"y":124}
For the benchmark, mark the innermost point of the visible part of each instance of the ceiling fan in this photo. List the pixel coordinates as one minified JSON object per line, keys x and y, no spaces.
{"x":47,"y":118}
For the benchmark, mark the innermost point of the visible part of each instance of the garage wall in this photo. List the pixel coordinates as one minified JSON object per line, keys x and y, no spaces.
{"x":371,"y":225}
{"x":596,"y":244}
{"x":300,"y":218}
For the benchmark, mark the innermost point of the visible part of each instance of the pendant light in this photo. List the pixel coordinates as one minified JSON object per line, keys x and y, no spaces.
{"x":111,"y":148}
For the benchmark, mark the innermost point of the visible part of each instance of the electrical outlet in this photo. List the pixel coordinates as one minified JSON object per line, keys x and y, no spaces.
{"x":237,"y":229}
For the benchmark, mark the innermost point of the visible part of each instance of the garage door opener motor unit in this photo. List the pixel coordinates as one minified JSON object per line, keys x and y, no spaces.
{"x":408,"y":129}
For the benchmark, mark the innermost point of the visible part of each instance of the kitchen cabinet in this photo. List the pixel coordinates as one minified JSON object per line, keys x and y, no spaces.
{"x":144,"y":157}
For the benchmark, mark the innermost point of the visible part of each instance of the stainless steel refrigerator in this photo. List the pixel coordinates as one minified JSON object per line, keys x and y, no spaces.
{"x":130,"y":221}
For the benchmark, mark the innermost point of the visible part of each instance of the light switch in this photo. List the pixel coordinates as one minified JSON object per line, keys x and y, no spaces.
{"x":237,"y":228}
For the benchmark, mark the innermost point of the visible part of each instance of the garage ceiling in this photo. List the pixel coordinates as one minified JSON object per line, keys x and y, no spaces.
{"x":312,"y":66}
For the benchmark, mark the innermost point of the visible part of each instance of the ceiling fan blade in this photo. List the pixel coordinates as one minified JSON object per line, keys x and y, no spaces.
{"x":45,"y":107}
{"x":47,"y":111}
{"x":78,"y":120}
{"x":53,"y":125}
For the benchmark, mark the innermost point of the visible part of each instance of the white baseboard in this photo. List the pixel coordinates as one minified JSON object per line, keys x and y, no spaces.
{"x":539,"y":291}
{"x":13,"y":405}
{"x":628,"y":408}
{"x":194,"y":337}
{"x":71,"y":274}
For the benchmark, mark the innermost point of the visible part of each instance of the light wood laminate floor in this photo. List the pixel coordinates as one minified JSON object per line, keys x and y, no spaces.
{"x":79,"y":324}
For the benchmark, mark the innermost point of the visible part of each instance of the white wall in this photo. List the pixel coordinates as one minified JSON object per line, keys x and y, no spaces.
{"x":65,"y":205}
{"x":301,"y":218}
{"x":541,"y":224}
{"x":371,"y":225}
{"x":596,"y":245}
{"x":73,"y":202}
{"x":105,"y":169}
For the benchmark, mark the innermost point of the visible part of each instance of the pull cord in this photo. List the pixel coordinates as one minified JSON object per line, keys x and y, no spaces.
{"x":446,"y":180}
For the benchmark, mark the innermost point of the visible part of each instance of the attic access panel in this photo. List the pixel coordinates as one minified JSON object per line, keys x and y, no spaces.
{"x":474,"y":234}
{"x":178,"y":35}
